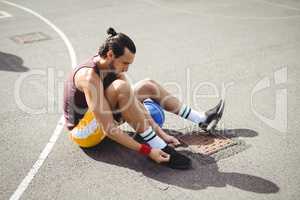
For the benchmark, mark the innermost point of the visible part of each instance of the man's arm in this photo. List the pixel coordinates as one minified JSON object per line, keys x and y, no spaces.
{"x":98,"y":104}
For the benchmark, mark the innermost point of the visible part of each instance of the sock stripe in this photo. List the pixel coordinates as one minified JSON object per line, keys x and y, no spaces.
{"x":149,"y":136}
{"x":188,"y":113}
{"x":146,"y":132}
{"x":185,"y":112}
{"x":182,"y":110}
{"x":152,"y":139}
{"x":147,"y":140}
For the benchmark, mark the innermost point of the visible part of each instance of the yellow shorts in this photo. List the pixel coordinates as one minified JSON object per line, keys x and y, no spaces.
{"x":87,"y":132}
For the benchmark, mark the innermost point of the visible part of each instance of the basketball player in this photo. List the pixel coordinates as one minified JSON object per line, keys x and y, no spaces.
{"x":98,"y":98}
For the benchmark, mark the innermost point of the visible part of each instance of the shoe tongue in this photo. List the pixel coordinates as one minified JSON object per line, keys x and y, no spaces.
{"x":168,"y":150}
{"x":221,"y":107}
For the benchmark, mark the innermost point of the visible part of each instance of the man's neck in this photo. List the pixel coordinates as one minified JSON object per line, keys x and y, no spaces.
{"x":101,"y":63}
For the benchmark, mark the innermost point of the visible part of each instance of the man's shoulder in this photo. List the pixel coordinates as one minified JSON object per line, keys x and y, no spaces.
{"x":86,"y":76}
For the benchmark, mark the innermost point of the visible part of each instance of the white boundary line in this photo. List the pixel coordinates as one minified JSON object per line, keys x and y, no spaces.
{"x":4,"y":14}
{"x":55,"y":28}
{"x":49,"y":146}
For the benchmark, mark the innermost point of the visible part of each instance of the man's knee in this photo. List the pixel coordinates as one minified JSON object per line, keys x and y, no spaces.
{"x":122,"y":88}
{"x":118,"y":89}
{"x":147,"y":87}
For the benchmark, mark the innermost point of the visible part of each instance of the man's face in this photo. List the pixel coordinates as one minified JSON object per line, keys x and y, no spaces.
{"x":121,"y":64}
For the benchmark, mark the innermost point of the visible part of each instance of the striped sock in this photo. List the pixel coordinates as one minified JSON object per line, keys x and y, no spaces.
{"x":152,"y":139}
{"x":188,"y":113}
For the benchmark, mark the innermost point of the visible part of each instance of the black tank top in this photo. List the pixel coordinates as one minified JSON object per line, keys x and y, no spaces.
{"x":75,"y":105}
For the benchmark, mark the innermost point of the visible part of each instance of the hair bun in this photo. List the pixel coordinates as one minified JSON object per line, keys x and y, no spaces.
{"x":110,"y":31}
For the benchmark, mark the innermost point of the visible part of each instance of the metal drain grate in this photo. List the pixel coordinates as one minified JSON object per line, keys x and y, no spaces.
{"x":205,"y":144}
{"x":30,"y":38}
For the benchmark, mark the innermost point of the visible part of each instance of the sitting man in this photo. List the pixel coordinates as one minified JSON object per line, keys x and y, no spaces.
{"x":98,"y":98}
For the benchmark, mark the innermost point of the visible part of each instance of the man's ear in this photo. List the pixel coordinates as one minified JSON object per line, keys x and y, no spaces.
{"x":110,"y":54}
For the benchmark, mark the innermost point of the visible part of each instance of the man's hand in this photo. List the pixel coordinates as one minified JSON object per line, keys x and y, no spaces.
{"x":171,"y":140}
{"x":159,"y":156}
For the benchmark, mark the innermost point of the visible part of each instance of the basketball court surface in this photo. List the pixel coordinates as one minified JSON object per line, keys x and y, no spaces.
{"x":245,"y":51}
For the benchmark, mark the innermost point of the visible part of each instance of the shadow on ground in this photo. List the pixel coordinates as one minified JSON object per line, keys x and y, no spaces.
{"x":229,"y":133}
{"x":10,"y":62}
{"x":199,"y":177}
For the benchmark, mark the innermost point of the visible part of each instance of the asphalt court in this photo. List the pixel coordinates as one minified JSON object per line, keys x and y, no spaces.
{"x":197,"y":49}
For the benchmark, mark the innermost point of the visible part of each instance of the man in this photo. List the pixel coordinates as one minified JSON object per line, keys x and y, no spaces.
{"x":98,"y":98}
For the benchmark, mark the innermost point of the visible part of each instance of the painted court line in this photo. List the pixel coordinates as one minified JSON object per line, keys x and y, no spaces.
{"x":49,"y":146}
{"x":37,"y":165}
{"x":4,"y":14}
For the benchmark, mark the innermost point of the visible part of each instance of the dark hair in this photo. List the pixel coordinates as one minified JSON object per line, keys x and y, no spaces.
{"x":116,"y":42}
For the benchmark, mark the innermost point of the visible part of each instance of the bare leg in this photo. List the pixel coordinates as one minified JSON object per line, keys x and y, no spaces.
{"x":120,"y":93}
{"x":122,"y":99}
{"x":151,"y":89}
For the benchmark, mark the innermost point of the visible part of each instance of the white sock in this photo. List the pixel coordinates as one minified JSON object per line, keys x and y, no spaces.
{"x":188,"y":113}
{"x":152,"y":139}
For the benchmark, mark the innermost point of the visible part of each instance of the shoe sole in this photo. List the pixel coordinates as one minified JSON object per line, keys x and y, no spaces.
{"x":212,"y":125}
{"x":180,"y":167}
